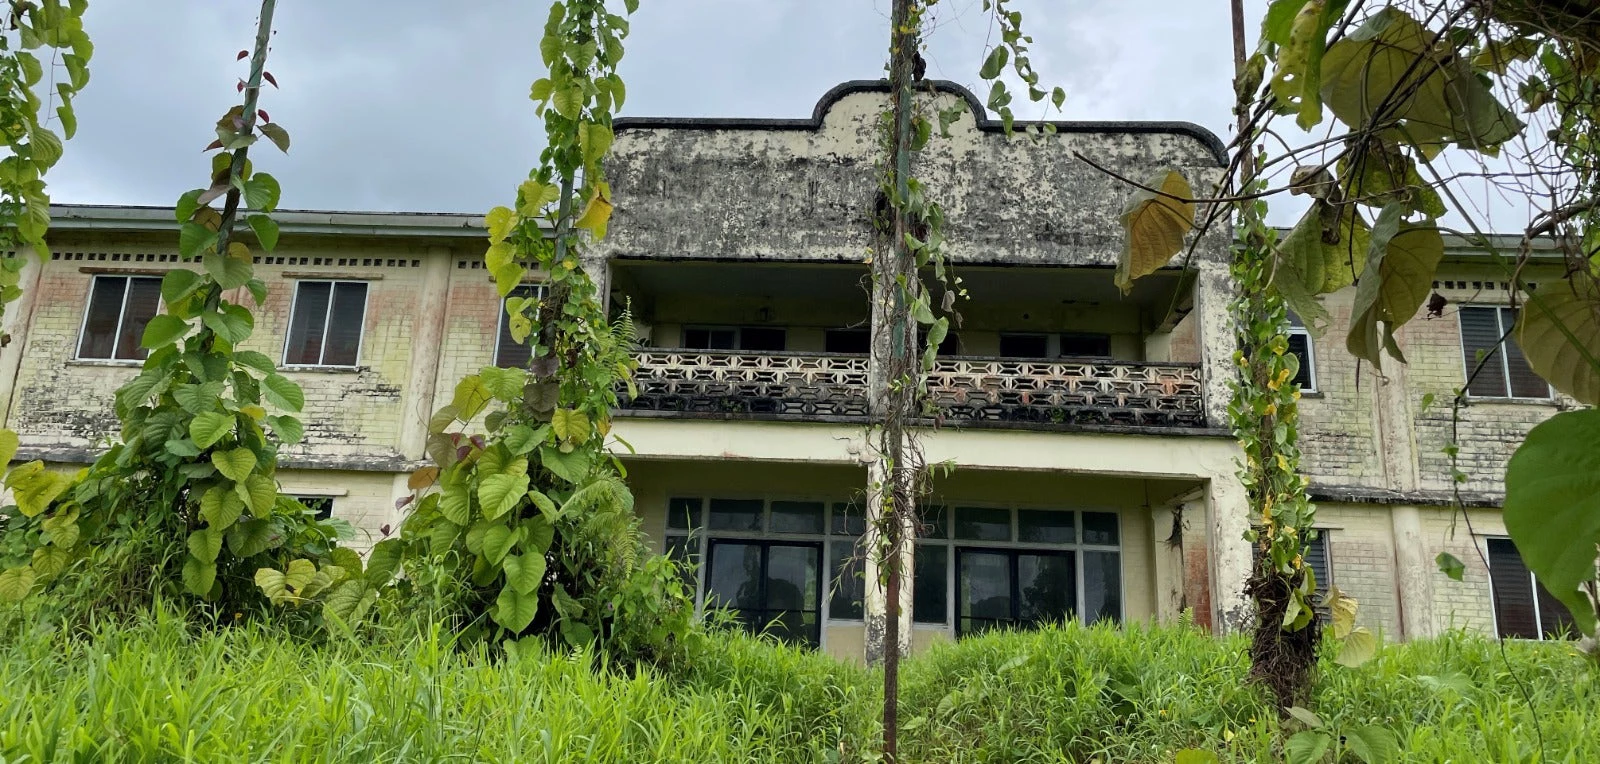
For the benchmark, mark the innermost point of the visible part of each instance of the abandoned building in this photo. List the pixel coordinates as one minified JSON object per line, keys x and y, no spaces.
{"x":1090,"y":472}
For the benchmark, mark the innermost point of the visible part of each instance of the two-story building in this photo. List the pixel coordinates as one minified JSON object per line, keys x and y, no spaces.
{"x":1084,"y":466}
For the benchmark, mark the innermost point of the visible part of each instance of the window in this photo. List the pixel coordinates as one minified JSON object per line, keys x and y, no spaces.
{"x":1316,"y":557}
{"x":113,"y":324}
{"x":508,"y":353}
{"x":325,"y":323}
{"x":1301,"y":348}
{"x":321,"y":507}
{"x":988,"y":567}
{"x":1024,"y":345}
{"x":1522,"y":607}
{"x":949,"y":346}
{"x":1085,"y":345}
{"x":855,"y":341}
{"x":779,"y":566}
{"x":750,"y":338}
{"x":1505,"y":372}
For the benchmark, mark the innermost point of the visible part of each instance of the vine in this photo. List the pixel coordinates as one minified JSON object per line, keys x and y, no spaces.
{"x":188,"y":498}
{"x":535,"y":513}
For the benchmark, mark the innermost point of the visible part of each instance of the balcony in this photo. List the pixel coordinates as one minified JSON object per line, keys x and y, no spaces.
{"x":966,"y":392}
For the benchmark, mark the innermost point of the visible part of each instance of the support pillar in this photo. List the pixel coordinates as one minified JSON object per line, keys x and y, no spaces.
{"x":876,"y":606}
{"x":1228,"y":517}
{"x":1413,"y":579}
{"x":427,"y":339}
{"x":18,"y":320}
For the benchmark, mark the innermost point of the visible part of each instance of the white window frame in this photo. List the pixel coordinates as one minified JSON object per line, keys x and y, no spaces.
{"x":1494,"y":605}
{"x":361,"y":336}
{"x":122,"y":315}
{"x":1298,"y":327}
{"x":1467,"y":364}
{"x":540,"y":290}
{"x":951,"y":544}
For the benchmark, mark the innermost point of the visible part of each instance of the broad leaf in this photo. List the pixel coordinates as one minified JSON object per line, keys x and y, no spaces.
{"x":205,"y":544}
{"x":1358,"y":647}
{"x":1450,"y":565}
{"x":499,"y":494}
{"x":1572,"y":306}
{"x":1401,"y":263}
{"x":1155,"y":226}
{"x":276,"y":134}
{"x":259,"y":493}
{"x":288,"y":429}
{"x":163,"y":330}
{"x":261,"y":192}
{"x":198,"y":576}
{"x":232,"y":269}
{"x":49,"y":562}
{"x":423,"y":478}
{"x":570,"y":425}
{"x":235,"y":464}
{"x":1552,"y":506}
{"x":503,"y":384}
{"x":514,"y":610}
{"x":283,"y":393}
{"x":500,"y":221}
{"x":455,"y":501}
{"x":1343,"y":610}
{"x":266,"y":231}
{"x":209,"y":427}
{"x":221,"y":507}
{"x":1317,"y":257}
{"x":285,"y":585}
{"x":596,"y":213}
{"x":571,"y":467}
{"x":1307,"y":747}
{"x":524,"y":572}
{"x":9,"y":443}
{"x":1298,"y":79}
{"x":1371,"y":744}
{"x":470,"y":397}
{"x":251,"y":537}
{"x":384,"y":561}
{"x":497,"y":541}
{"x":349,"y":603}
{"x":15,"y":583}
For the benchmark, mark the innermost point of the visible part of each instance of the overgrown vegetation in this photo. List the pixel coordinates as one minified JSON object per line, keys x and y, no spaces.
{"x":159,"y":688}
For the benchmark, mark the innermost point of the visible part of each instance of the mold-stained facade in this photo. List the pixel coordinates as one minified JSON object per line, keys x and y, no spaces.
{"x":1084,"y":468}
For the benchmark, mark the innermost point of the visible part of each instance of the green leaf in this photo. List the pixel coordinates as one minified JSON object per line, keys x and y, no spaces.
{"x":1195,"y":756}
{"x":276,"y":134}
{"x":286,"y":585}
{"x":538,"y":533}
{"x":62,"y":529}
{"x":221,"y":507}
{"x":257,"y":361}
{"x":259,"y":493}
{"x":455,"y":499}
{"x":15,"y":583}
{"x":384,"y":561}
{"x":1297,"y":81}
{"x":266,"y":231}
{"x":1279,"y":21}
{"x":178,"y":284}
{"x":232,"y":269}
{"x":288,"y":429}
{"x":205,"y":544}
{"x":500,"y":221}
{"x":570,"y":425}
{"x":497,"y":541}
{"x":1371,"y":744}
{"x":568,"y":101}
{"x":470,"y":397}
{"x":525,"y":572}
{"x":1358,"y":647}
{"x":1154,"y":228}
{"x":49,"y":562}
{"x":1317,"y":257}
{"x":547,"y":508}
{"x":45,"y":147}
{"x":573,"y":467}
{"x":195,"y":240}
{"x":1307,"y":747}
{"x":1342,"y":609}
{"x":209,"y":427}
{"x":503,"y":384}
{"x":499,"y":494}
{"x":9,"y":443}
{"x":1401,"y":263}
{"x":251,"y":537}
{"x":349,"y":603}
{"x":521,"y":439}
{"x":994,"y":63}
{"x":1552,"y":506}
{"x":261,"y":192}
{"x":1543,"y":327}
{"x":163,"y":330}
{"x":198,"y":576}
{"x":283,"y":393}
{"x":235,"y":464}
{"x":514,"y":610}
{"x":233,"y":323}
{"x":1450,"y":565}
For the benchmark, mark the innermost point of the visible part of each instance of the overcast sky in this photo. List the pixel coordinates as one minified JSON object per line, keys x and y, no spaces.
{"x":422,"y":106}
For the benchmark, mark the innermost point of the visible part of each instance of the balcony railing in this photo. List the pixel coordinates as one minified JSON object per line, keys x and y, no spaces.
{"x":964,"y":391}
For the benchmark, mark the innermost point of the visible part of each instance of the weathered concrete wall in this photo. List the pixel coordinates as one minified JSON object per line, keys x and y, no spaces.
{"x":805,"y":189}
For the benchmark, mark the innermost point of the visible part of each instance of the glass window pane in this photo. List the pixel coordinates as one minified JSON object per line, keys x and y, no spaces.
{"x":508,"y":352}
{"x":1524,"y":383}
{"x":762,"y":339}
{"x":735,"y":514}
{"x":796,"y":517}
{"x":1047,"y":587}
{"x":685,"y":551}
{"x":1082,"y":345}
{"x":932,"y":525}
{"x":683,"y":514}
{"x":983,"y":524}
{"x":144,"y":297}
{"x":100,"y":324}
{"x":1554,"y":617}
{"x":1514,"y":604}
{"x":1100,"y":528}
{"x":792,"y":578}
{"x":1300,"y":348}
{"x":848,"y":588}
{"x":848,"y":519}
{"x":1480,"y":334}
{"x":345,"y":324}
{"x":846,"y":341}
{"x":305,"y":327}
{"x":1044,"y":526}
{"x":930,"y":584}
{"x":1102,"y":586}
{"x":735,"y":580}
{"x":983,"y":590}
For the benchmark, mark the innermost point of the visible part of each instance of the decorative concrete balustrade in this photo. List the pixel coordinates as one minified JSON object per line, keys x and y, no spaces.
{"x":963,"y":391}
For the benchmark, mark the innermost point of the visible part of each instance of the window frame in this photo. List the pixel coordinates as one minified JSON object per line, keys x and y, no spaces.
{"x":361,"y":336}
{"x":540,"y":290}
{"x":1050,"y":343}
{"x":738,"y":338}
{"x":1298,"y":327}
{"x":1467,"y":364}
{"x":122,"y":317}
{"x":824,"y":574}
{"x":954,"y":545}
{"x":1540,"y":635}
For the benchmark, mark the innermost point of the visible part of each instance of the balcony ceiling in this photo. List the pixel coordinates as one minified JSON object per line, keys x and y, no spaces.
{"x":831,"y":281}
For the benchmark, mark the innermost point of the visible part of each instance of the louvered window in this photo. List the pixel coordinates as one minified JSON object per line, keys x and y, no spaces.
{"x":1522,"y":606}
{"x":1505,"y":372}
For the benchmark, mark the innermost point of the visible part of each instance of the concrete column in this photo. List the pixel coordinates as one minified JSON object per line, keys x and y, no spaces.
{"x":1217,"y":343}
{"x":1166,"y":550}
{"x":18,"y":320}
{"x":1228,"y":517}
{"x":876,"y":607}
{"x":1413,"y":573}
{"x":427,"y":340}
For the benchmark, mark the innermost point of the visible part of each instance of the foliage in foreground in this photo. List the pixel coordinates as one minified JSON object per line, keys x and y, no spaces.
{"x":159,"y":689}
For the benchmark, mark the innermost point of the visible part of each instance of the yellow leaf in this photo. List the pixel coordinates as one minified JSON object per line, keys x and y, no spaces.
{"x":570,"y":425}
{"x":500,"y":221}
{"x":1574,"y":306}
{"x":596,"y":214}
{"x":1155,"y":225}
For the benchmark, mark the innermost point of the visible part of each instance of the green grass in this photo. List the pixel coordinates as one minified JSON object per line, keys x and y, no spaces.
{"x":160,"y":691}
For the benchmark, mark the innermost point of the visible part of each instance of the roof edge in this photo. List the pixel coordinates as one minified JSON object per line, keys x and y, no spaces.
{"x":90,"y":217}
{"x":1208,"y":139}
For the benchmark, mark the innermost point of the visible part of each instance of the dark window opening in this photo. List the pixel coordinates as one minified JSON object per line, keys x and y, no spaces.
{"x":321,"y":507}
{"x":768,"y":586}
{"x":1025,"y":345}
{"x":758,"y":339}
{"x":851,"y":341}
{"x":1505,"y":372}
{"x":1082,"y":345}
{"x":508,"y":353}
{"x":763,"y":339}
{"x":325,"y":327}
{"x":119,"y":308}
{"x":1523,"y":608}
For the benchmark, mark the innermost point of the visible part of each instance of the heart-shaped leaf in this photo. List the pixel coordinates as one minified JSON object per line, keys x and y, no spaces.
{"x":235,"y":464}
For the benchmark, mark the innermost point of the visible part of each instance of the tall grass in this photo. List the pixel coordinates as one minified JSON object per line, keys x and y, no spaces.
{"x":160,"y":689}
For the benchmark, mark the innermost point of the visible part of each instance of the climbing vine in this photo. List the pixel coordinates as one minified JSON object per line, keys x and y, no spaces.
{"x":535,"y":513}
{"x":192,"y":482}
